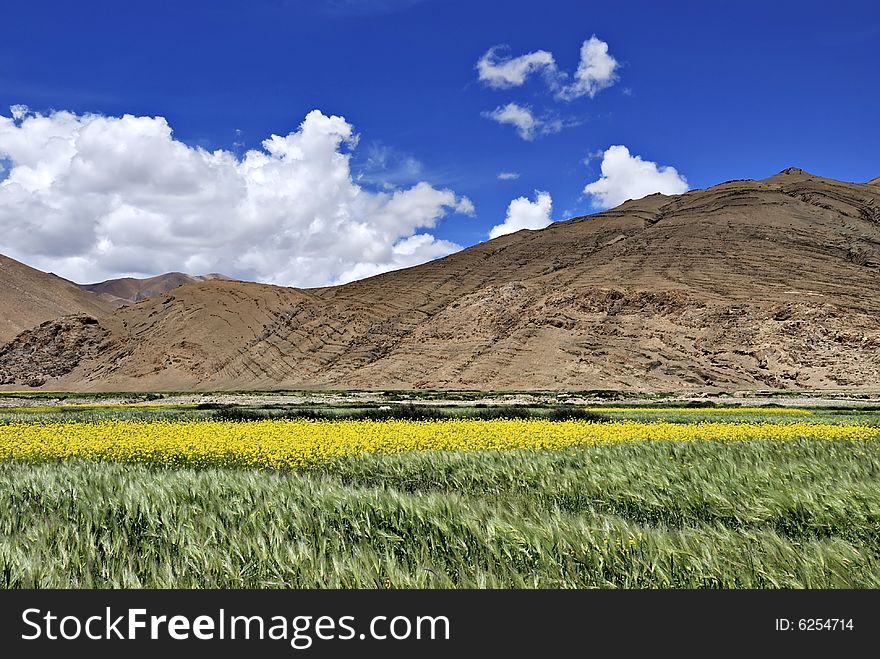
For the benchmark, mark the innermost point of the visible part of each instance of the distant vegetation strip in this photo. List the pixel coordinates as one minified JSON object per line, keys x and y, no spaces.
{"x":44,"y":409}
{"x":607,"y":409}
{"x":296,"y":444}
{"x":409,"y":411}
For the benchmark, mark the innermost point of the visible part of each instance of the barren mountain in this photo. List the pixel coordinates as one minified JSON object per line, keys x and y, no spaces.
{"x":29,"y":297}
{"x":745,"y":285}
{"x":135,"y":290}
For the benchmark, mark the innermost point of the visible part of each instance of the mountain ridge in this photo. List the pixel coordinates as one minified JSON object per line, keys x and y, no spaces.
{"x":745,"y":285}
{"x":29,"y":297}
{"x":132,"y":289}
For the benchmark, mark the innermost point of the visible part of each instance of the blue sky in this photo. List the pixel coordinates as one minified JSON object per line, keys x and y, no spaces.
{"x":718,"y":91}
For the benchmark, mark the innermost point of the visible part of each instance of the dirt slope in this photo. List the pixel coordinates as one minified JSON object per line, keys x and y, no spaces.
{"x":29,"y":297}
{"x":746,"y":285}
{"x":135,"y":290}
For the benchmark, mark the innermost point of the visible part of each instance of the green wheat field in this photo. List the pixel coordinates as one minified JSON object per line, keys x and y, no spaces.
{"x":800,"y":513}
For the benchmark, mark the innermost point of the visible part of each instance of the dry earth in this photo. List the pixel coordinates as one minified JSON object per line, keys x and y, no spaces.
{"x":749,"y":285}
{"x":29,"y":297}
{"x":135,"y":290}
{"x":336,"y":398}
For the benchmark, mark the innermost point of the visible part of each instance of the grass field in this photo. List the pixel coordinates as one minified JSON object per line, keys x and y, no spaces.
{"x":624,"y":497}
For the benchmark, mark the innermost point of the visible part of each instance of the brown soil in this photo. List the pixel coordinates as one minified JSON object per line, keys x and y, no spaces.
{"x":135,"y":290}
{"x":29,"y":297}
{"x":753,"y":285}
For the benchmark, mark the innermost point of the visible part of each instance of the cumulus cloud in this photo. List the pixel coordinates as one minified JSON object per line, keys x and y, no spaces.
{"x":93,"y":197}
{"x":625,"y":176}
{"x":503,"y":72}
{"x":525,"y":214}
{"x":508,"y":176}
{"x":527,"y":125}
{"x":19,"y":112}
{"x":517,"y":116}
{"x":596,"y":71}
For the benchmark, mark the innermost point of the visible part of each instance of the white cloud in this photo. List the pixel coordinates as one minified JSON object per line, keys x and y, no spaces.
{"x":596,"y":71}
{"x":504,"y":72}
{"x":508,"y":176}
{"x":527,"y":125}
{"x":19,"y":111}
{"x":465,"y":206}
{"x":405,"y":253}
{"x":525,"y":214}
{"x":92,"y":197}
{"x":625,"y":176}
{"x":516,"y":115}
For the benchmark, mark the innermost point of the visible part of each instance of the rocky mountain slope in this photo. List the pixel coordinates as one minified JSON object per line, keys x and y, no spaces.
{"x":135,"y":290}
{"x":745,"y":285}
{"x":29,"y":297}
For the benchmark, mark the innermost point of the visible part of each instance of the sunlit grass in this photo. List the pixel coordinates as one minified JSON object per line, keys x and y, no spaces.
{"x":654,"y":514}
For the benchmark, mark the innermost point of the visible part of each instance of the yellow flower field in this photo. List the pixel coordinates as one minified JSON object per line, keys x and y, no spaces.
{"x":280,"y":444}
